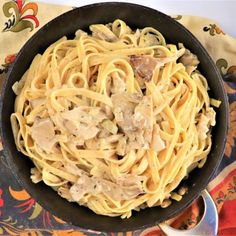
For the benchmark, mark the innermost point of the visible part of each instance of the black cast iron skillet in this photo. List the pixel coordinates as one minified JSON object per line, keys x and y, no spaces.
{"x":137,"y":17}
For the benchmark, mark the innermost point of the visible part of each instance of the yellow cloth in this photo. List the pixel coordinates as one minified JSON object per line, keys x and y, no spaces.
{"x":19,"y":20}
{"x":218,"y":44}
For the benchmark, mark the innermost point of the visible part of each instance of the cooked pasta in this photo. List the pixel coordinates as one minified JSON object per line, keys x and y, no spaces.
{"x":115,"y":119}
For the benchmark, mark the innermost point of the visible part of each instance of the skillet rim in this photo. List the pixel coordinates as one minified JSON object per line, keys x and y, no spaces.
{"x":7,"y":151}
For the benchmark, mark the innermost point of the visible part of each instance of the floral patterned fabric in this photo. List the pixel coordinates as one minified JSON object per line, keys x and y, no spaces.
{"x":20,"y":214}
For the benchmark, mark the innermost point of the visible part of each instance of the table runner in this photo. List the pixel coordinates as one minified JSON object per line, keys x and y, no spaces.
{"x":20,"y":214}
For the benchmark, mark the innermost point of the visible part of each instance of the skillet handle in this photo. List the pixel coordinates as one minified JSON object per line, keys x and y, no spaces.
{"x":208,"y":225}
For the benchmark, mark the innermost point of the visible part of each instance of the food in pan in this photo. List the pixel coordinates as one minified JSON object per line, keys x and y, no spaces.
{"x":114,"y":119}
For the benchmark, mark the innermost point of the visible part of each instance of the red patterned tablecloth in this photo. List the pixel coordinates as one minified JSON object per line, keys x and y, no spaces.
{"x":20,"y":214}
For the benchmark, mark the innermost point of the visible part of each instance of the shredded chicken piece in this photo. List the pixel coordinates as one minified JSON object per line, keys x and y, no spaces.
{"x":157,"y":143}
{"x":203,"y":126}
{"x":104,"y":133}
{"x":17,"y":86}
{"x":124,"y":106}
{"x":190,"y":61}
{"x":143,"y":114}
{"x":133,"y":114}
{"x":107,"y":110}
{"x":73,"y":169}
{"x":102,"y":32}
{"x":65,"y":193}
{"x":92,"y":143}
{"x":37,"y":102}
{"x":83,"y":121}
{"x":109,"y":126}
{"x":129,"y":180}
{"x":84,"y":114}
{"x":80,"y":33}
{"x":137,"y":141}
{"x":211,"y":115}
{"x":205,"y":121}
{"x":121,"y":146}
{"x":82,"y":131}
{"x":36,"y":175}
{"x":145,"y":65}
{"x":142,"y":121}
{"x":133,"y":97}
{"x":118,"y":85}
{"x":123,"y":189}
{"x":102,"y":143}
{"x":114,"y":138}
{"x":150,"y":40}
{"x":43,"y":134}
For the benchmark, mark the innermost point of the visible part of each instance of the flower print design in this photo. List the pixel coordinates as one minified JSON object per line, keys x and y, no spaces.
{"x":213,"y":29}
{"x":28,"y":204}
{"x":10,"y":59}
{"x":226,"y":72}
{"x":192,"y":220}
{"x":1,"y":147}
{"x":221,"y":197}
{"x":222,"y":65}
{"x":153,"y":231}
{"x":231,"y":138}
{"x":230,"y":87}
{"x":232,"y":186}
{"x":7,"y":62}
{"x":1,"y":201}
{"x":11,"y":227}
{"x":178,"y":17}
{"x":69,"y":232}
{"x":20,"y":15}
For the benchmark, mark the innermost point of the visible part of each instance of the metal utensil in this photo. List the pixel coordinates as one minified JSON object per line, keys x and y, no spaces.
{"x":208,"y":225}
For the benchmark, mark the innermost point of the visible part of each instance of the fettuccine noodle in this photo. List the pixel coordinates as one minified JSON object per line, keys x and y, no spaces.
{"x":114,"y":120}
